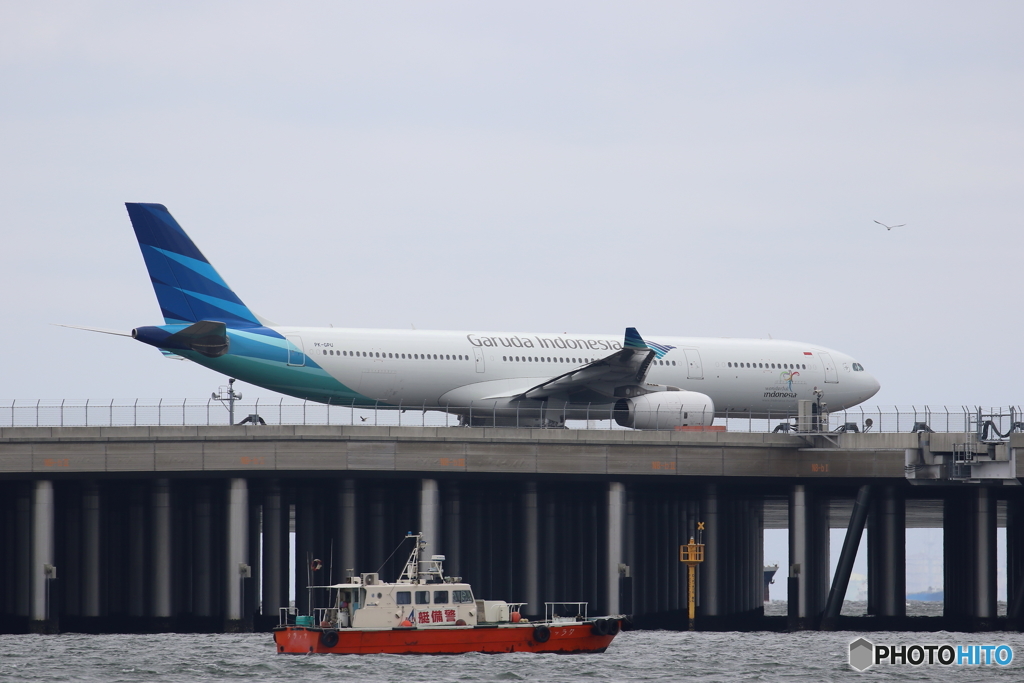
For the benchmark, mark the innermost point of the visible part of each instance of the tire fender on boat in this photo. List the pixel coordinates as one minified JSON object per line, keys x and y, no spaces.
{"x":541,"y":634}
{"x":613,"y":627}
{"x":599,"y":627}
{"x":329,"y":638}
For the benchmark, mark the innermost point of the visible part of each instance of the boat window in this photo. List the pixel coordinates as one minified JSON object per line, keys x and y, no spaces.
{"x":462,"y":597}
{"x":422,"y":597}
{"x":440,"y":597}
{"x":403,"y":598}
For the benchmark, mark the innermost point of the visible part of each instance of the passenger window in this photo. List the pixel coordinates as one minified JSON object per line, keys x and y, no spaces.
{"x":440,"y":597}
{"x":422,"y":597}
{"x":403,"y":598}
{"x":673,"y":362}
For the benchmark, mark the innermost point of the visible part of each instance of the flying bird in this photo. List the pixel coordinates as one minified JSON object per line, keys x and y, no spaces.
{"x":890,"y":227}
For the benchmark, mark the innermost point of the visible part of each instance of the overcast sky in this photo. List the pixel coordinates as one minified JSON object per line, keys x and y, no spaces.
{"x":686,"y":168}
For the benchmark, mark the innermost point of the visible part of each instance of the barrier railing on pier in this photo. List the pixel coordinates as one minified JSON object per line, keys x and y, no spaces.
{"x":210,"y":412}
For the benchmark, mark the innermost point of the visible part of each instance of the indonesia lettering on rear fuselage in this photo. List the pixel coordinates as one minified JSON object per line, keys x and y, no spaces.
{"x":483,"y":377}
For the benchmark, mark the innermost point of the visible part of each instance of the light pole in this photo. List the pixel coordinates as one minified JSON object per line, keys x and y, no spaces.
{"x":229,"y":395}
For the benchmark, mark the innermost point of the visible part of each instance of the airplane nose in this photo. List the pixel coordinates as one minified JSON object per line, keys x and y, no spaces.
{"x":872,"y":387}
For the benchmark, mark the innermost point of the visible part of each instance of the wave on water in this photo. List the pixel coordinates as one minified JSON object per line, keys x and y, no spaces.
{"x":633,"y":656}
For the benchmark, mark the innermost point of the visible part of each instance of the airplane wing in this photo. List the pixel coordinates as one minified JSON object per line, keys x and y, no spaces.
{"x":621,"y":375}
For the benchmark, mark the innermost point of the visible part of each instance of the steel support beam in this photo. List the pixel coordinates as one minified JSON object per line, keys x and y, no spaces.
{"x":851,"y":544}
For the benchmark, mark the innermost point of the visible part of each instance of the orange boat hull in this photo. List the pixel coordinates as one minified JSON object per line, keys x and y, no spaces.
{"x":564,"y":638}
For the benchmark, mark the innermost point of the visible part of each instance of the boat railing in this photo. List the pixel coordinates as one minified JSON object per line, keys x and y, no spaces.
{"x":325,"y":615}
{"x":565,"y":611}
{"x":286,"y":615}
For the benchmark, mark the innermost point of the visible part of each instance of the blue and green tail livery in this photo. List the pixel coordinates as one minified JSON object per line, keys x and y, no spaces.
{"x":188,"y":288}
{"x":635,"y":341}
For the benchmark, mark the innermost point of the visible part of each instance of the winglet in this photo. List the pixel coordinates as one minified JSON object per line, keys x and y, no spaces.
{"x":635,"y":341}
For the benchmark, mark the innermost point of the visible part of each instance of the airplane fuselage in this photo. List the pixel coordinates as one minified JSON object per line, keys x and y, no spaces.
{"x":416,"y":367}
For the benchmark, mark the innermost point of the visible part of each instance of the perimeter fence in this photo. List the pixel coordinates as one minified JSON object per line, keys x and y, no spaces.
{"x":212,"y":412}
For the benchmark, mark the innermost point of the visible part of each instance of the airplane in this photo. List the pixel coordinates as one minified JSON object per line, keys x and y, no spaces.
{"x":484,"y":378}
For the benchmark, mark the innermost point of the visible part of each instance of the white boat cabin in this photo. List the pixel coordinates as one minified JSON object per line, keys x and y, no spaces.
{"x":421,"y":598}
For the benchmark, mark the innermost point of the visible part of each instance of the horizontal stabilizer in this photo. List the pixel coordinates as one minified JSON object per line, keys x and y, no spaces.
{"x":208,"y":337}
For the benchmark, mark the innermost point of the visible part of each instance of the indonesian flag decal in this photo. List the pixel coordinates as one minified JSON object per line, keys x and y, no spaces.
{"x":808,"y":353}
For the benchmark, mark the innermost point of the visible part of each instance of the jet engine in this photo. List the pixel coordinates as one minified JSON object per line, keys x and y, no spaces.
{"x":665,"y":410}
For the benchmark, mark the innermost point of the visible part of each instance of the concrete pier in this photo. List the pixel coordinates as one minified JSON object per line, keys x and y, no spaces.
{"x":149,"y":529}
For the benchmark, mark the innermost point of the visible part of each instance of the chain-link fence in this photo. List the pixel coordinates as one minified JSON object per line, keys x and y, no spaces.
{"x":177,"y":412}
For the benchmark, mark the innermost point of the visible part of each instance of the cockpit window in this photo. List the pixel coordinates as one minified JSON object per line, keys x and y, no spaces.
{"x":857,"y":367}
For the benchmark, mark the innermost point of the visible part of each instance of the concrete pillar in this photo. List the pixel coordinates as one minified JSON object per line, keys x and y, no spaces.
{"x":808,"y":556}
{"x":348,"y":526}
{"x":275,"y":551}
{"x":452,"y":529}
{"x":887,"y":554}
{"x":137,"y":552}
{"x":251,"y":594}
{"x":161,"y":550}
{"x":616,"y":526}
{"x":531,"y":550}
{"x":202,"y":553}
{"x":23,"y":552}
{"x":984,"y":533}
{"x":430,"y":517}
{"x":237,"y":551}
{"x":1015,"y":561}
{"x":91,"y":550}
{"x":376,"y":529}
{"x":969,"y":549}
{"x":43,"y":613}
{"x":710,"y":569}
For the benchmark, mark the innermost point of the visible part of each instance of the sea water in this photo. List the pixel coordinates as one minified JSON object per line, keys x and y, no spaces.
{"x":633,"y":656}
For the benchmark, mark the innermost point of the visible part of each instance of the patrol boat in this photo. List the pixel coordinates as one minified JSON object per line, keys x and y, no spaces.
{"x":426,"y":612}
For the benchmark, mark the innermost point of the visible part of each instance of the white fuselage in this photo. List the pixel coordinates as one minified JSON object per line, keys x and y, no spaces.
{"x":413,"y":367}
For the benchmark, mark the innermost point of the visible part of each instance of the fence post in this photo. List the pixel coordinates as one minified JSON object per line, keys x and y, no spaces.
{"x":111,"y":412}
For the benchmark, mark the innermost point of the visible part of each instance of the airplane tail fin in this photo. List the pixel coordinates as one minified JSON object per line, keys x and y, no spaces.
{"x":187,"y":286}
